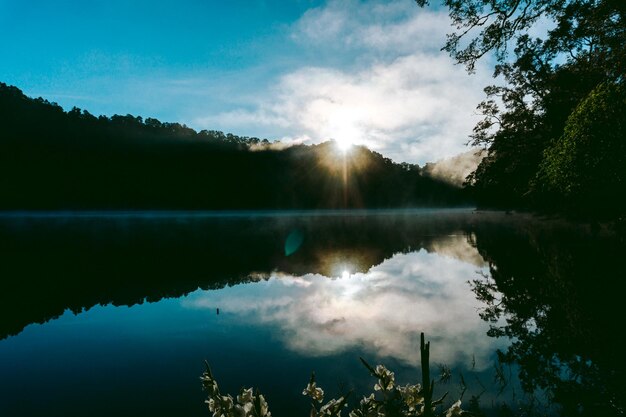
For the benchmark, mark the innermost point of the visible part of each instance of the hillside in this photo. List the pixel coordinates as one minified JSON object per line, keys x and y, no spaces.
{"x":56,"y":160}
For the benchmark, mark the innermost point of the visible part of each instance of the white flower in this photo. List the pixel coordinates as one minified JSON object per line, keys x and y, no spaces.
{"x":328,"y":407}
{"x":412,"y":395}
{"x":209,"y":384}
{"x":314,"y":392}
{"x":227,"y":402}
{"x":367,"y":400}
{"x":264,"y":407}
{"x":211,"y":403}
{"x":245,"y":396}
{"x":386,"y":379}
{"x":220,"y":406}
{"x":454,"y":410}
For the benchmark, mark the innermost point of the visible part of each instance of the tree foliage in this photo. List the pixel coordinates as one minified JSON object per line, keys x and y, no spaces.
{"x":545,"y":78}
{"x":589,"y":159}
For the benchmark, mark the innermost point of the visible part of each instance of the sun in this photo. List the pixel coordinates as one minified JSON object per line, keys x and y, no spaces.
{"x":344,"y":144}
{"x":344,"y":128}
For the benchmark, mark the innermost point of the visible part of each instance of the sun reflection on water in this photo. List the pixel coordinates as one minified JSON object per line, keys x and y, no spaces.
{"x":382,"y":310}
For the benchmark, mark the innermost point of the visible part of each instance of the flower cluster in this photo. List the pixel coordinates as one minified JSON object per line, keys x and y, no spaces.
{"x":394,"y":400}
{"x":405,"y":400}
{"x":386,"y":379}
{"x":314,"y":392}
{"x":248,"y":404}
{"x":331,"y":408}
{"x":413,"y":396}
{"x":367,"y":408}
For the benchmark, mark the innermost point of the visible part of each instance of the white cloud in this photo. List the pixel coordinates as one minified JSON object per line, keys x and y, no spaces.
{"x":394,"y":92}
{"x":396,"y":27}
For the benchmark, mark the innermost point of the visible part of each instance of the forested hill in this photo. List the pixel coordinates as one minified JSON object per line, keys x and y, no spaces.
{"x":56,"y":160}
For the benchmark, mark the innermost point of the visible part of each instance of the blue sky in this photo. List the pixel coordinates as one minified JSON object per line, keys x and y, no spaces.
{"x":365,"y":71}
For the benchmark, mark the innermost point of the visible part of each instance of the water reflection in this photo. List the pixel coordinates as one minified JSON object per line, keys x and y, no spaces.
{"x":322,"y":291}
{"x":382,"y":311}
{"x":461,"y":247}
{"x":556,"y":301}
{"x":50,"y":264}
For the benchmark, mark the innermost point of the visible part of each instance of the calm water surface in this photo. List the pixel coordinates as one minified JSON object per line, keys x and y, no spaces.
{"x":114,"y":313}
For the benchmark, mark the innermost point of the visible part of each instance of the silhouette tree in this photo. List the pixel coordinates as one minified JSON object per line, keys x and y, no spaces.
{"x":545,"y":78}
{"x":586,"y":166}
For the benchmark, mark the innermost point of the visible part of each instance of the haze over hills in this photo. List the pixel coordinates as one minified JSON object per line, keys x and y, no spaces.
{"x":455,"y":170}
{"x":51,"y":159}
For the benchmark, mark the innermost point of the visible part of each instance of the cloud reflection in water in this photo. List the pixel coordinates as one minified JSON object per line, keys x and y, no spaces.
{"x":381,"y":312}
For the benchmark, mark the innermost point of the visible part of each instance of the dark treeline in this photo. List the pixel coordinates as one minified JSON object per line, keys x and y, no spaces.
{"x":555,"y":122}
{"x":52,"y":159}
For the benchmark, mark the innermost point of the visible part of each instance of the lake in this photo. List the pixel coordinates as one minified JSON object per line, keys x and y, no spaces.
{"x":114,"y":313}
